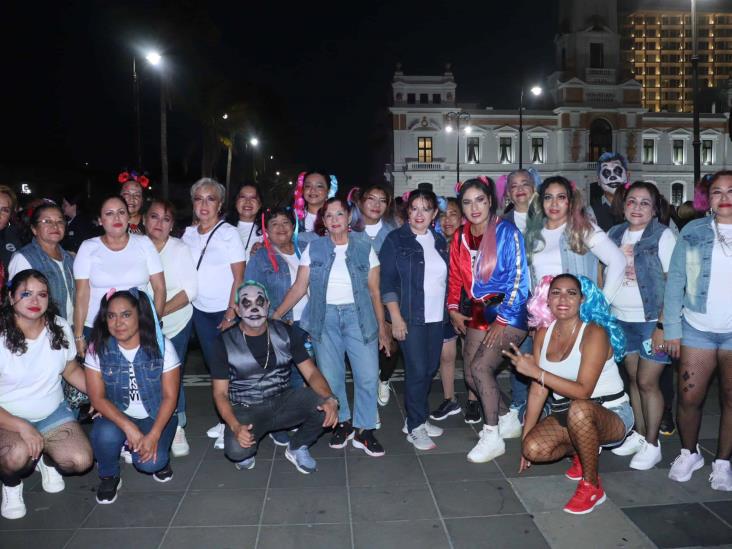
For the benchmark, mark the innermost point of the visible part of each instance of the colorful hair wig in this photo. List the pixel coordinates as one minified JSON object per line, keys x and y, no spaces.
{"x":486,"y":260}
{"x":701,"y":194}
{"x":333,"y":186}
{"x":539,"y":314}
{"x":268,"y":247}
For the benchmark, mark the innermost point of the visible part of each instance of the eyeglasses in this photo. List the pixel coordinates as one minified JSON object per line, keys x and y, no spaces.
{"x":5,"y":211}
{"x":54,"y":222}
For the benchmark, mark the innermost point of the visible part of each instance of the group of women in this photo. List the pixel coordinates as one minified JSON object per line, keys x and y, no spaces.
{"x":365,"y":277}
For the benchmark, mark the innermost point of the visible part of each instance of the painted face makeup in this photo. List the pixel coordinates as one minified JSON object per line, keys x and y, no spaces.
{"x":612,"y":175}
{"x":253,"y":307}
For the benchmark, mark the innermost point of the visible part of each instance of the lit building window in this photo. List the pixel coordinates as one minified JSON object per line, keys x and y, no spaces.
{"x":504,"y":149}
{"x":424,"y":149}
{"x":649,"y":151}
{"x":677,"y":194}
{"x":707,"y":151}
{"x":473,"y":146}
{"x":537,"y":150}
{"x":678,"y":151}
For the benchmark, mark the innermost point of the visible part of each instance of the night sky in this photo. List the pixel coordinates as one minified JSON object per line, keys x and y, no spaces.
{"x":316,"y":79}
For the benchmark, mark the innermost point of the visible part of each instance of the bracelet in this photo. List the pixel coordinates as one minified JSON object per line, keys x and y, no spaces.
{"x":79,"y":338}
{"x":541,"y":378}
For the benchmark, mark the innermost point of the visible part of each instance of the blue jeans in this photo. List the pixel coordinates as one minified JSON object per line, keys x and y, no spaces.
{"x":421,"y":350}
{"x":107,"y":440}
{"x":180,"y":344}
{"x":207,"y":332}
{"x":341,"y":335}
{"x":520,"y":383}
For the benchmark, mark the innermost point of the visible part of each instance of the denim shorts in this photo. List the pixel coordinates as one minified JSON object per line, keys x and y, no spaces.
{"x":625,"y":413}
{"x":62,"y":414}
{"x":449,"y":332}
{"x":696,"y":339}
{"x":635,"y":334}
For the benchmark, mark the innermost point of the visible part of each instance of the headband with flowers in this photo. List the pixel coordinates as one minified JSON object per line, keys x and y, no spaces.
{"x":126,"y":177}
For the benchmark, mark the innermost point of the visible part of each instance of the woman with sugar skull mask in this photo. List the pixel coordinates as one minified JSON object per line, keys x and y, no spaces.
{"x":606,"y":204}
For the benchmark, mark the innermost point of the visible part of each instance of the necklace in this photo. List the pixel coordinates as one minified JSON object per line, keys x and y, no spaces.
{"x":568,"y":345}
{"x":266,"y":362}
{"x":723,"y":242}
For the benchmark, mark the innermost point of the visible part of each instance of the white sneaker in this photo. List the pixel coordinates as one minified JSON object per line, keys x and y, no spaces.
{"x":432,"y":430}
{"x":377,"y":425}
{"x":180,"y":446}
{"x":13,"y":506}
{"x":219,"y":444}
{"x":384,"y":393}
{"x":51,"y":480}
{"x":420,"y":439}
{"x":126,"y":455}
{"x":633,"y":443}
{"x":509,"y":425}
{"x":721,"y":477}
{"x":685,"y":464}
{"x":216,"y":431}
{"x":489,"y":446}
{"x":647,"y":457}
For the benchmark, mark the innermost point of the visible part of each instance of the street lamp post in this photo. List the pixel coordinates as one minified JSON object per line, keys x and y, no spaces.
{"x":457,"y":116}
{"x":535,"y":91}
{"x":136,"y":100}
{"x":695,"y":88}
{"x":155,"y":59}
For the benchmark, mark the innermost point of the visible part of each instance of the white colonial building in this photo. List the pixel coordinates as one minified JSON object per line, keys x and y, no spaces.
{"x":596,"y":106}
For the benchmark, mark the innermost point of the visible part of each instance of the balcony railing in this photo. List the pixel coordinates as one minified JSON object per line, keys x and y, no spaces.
{"x":425,"y":166}
{"x":600,"y":76}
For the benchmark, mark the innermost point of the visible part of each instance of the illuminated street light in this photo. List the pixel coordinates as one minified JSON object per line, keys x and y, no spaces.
{"x":468,"y":130}
{"x":254,"y":142}
{"x":536,"y":90}
{"x":277,"y":174}
{"x":448,"y":129}
{"x":154,"y":58}
{"x":225,"y":116}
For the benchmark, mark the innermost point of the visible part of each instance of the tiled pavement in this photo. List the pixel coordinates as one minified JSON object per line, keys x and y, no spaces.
{"x":405,"y":499}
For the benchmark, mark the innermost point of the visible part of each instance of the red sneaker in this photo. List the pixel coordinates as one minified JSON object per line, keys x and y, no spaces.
{"x":575,"y":470}
{"x":586,"y":498}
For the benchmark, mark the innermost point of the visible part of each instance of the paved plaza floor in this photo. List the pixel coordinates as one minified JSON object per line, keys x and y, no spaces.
{"x":405,"y":499}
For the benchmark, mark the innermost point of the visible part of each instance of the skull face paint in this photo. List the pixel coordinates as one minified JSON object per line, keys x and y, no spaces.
{"x":253,"y":307}
{"x":612,"y":175}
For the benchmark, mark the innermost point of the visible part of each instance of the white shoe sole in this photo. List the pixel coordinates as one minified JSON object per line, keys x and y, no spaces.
{"x":644,"y":466}
{"x":447,"y":415}
{"x":357,"y":444}
{"x":17,"y":514}
{"x":240,"y":467}
{"x":598,"y":502}
{"x":214,"y":432}
{"x":625,"y":453}
{"x":344,"y":443}
{"x":292,"y":460}
{"x":698,"y":465}
{"x":162,"y":480}
{"x":431,"y":447}
{"x":490,"y":457}
{"x":431,"y":435}
{"x":180,"y":451}
{"x":108,"y":502}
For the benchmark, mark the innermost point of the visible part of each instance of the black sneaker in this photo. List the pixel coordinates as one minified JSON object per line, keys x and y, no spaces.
{"x":667,"y":427}
{"x":449,"y":407}
{"x":341,"y":435}
{"x":107,"y":490}
{"x":164,"y":475}
{"x":366,"y":441}
{"x":472,"y":412}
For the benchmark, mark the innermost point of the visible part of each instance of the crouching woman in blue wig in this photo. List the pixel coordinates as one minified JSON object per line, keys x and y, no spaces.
{"x":132,"y":377}
{"x":574,"y":357}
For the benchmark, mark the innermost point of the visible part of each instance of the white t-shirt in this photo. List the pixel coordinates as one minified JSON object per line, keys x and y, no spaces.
{"x":214,"y":275}
{"x":718,"y":318}
{"x":310,"y":221}
{"x":249,"y":237}
{"x":628,"y":303}
{"x":549,"y":260}
{"x":339,"y":291}
{"x":373,"y":230}
{"x":30,"y":384}
{"x":293,"y":263}
{"x":130,"y":267}
{"x":180,"y":274}
{"x":435,"y":279}
{"x":136,"y":409}
{"x":519,"y":219}
{"x":19,"y":263}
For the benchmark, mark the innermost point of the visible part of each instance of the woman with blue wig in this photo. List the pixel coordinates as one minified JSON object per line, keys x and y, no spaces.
{"x":576,"y":346}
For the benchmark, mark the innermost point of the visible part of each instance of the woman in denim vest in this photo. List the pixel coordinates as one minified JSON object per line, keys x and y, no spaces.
{"x":638,"y":306}
{"x":132,"y":377}
{"x":46,"y":255}
{"x":697,"y":310}
{"x":344,"y":314}
{"x":413,"y":285}
{"x":561,"y":238}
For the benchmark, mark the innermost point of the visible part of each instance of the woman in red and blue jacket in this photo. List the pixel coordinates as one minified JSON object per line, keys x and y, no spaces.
{"x":487,"y":292}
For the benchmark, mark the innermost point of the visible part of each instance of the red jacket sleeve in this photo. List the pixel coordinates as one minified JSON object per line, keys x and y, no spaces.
{"x":455,"y":278}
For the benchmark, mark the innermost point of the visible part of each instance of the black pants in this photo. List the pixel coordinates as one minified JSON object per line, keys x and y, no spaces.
{"x":292,"y":408}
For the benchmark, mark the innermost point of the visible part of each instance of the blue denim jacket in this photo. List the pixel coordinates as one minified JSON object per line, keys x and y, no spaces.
{"x":58,"y":281}
{"x":322,"y":254}
{"x":648,"y":267}
{"x":260,"y":269}
{"x":378,"y":241}
{"x":687,"y":283}
{"x":402,"y":271}
{"x":116,"y":375}
{"x":572,"y":262}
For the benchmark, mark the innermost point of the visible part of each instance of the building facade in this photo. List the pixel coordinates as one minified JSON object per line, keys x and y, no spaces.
{"x":594,"y":106}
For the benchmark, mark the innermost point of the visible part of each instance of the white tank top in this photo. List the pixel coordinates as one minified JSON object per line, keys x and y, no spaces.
{"x":609,"y":382}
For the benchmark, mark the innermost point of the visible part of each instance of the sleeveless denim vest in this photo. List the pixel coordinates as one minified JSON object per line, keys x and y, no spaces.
{"x":572,"y":262}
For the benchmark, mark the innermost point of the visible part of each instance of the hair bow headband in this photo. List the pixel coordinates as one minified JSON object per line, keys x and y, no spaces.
{"x":333,"y":186}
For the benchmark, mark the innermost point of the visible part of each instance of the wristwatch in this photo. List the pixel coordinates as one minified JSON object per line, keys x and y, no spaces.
{"x":333,"y":397}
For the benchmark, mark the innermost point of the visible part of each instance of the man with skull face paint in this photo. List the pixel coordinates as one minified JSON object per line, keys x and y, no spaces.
{"x":251,"y":384}
{"x":612,"y":173}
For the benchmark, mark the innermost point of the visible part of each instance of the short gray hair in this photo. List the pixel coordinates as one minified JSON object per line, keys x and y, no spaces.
{"x":209,"y":182}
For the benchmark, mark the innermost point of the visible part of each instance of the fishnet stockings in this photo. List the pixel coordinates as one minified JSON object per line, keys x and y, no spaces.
{"x":645,"y":395}
{"x":481,"y":364}
{"x":589,"y":425}
{"x":695,"y":374}
{"x":65,"y":447}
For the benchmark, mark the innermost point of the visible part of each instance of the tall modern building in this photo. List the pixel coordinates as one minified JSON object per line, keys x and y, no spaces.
{"x":591,"y":104}
{"x":657,"y":47}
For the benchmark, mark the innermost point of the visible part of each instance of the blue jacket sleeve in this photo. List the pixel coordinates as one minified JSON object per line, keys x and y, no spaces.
{"x":390,"y":280}
{"x":516,"y":275}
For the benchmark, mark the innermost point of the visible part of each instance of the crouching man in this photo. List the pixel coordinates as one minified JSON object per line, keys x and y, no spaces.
{"x":251,"y":385}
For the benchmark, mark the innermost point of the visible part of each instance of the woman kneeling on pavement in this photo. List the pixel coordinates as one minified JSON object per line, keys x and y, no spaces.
{"x":37,"y":427}
{"x":133,"y":376}
{"x":574,"y":357}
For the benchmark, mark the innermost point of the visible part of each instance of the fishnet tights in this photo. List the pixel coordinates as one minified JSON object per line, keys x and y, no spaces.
{"x":589,"y":425}
{"x":65,"y":447}
{"x":646,"y":396}
{"x":695,"y":374}
{"x":481,"y":364}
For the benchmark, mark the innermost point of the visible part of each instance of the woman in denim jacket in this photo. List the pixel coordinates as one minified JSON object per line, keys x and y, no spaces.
{"x":698,"y":326}
{"x":647,"y":244}
{"x":413,"y":285}
{"x":344,"y":314}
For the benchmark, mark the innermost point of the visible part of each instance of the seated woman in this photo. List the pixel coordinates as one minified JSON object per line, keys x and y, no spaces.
{"x":36,"y":351}
{"x":574,"y":357}
{"x":132,"y":373}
